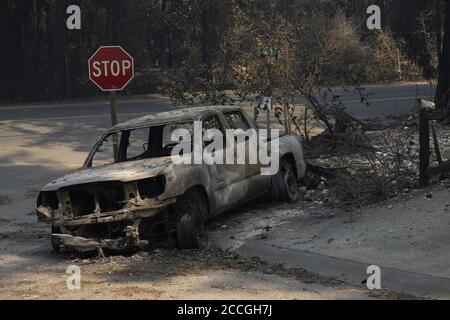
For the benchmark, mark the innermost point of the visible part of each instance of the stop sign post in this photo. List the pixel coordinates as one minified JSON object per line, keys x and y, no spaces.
{"x":111,"y":68}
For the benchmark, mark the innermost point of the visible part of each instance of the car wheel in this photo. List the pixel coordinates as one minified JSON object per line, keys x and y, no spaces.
{"x":190,"y":231}
{"x":284,"y":183}
{"x":191,"y":211}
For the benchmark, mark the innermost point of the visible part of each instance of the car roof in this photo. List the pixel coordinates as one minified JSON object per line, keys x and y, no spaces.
{"x":178,"y":115}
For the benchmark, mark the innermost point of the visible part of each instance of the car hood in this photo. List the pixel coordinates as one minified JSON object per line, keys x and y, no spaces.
{"x":124,"y":172}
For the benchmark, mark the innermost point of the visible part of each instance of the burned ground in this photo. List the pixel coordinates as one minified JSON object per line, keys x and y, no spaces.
{"x":30,"y":270}
{"x":366,"y":167}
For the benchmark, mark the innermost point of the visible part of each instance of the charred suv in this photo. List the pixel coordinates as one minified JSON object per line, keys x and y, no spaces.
{"x":132,"y":194}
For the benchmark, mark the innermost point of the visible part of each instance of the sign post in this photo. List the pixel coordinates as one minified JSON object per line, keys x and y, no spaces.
{"x":267,"y":103}
{"x":271,"y":55}
{"x":112,"y":96}
{"x":111,"y":68}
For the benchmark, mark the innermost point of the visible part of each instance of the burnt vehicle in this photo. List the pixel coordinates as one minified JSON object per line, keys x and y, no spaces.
{"x":138,"y":196}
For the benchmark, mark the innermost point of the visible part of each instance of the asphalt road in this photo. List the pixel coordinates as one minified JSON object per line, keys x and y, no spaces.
{"x":34,"y":134}
{"x":384,"y":100}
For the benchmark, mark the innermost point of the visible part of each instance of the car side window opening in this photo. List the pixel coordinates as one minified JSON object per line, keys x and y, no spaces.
{"x":138,"y":146}
{"x":146,"y":143}
{"x":212,"y":123}
{"x":237,"y":121}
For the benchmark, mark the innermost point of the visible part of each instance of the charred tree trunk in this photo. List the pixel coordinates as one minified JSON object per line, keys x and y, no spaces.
{"x":424,"y":156}
{"x":444,"y":62}
{"x":205,"y":37}
{"x":438,"y":30}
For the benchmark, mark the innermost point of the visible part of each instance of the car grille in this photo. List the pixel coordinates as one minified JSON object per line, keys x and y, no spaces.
{"x":96,"y":198}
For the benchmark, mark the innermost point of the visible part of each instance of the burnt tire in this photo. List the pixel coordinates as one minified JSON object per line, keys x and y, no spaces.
{"x":191,"y":211}
{"x":284,"y":183}
{"x":190,"y":231}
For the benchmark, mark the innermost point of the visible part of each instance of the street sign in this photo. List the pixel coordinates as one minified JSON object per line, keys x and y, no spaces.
{"x":111,"y":68}
{"x":271,"y":53}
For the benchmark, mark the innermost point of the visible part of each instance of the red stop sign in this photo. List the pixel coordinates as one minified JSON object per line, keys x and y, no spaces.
{"x":111,"y":68}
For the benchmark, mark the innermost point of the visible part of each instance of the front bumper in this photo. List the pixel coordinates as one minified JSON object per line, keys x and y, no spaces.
{"x":131,"y":213}
{"x":132,"y":216}
{"x":66,"y":242}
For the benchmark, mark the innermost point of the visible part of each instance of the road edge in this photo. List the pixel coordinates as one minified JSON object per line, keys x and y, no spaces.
{"x":352,"y":272}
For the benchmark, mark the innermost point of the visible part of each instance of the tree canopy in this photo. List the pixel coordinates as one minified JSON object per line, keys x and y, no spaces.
{"x":201,"y":48}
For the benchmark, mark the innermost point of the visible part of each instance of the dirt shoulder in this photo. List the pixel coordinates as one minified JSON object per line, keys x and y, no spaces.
{"x":29,"y":269}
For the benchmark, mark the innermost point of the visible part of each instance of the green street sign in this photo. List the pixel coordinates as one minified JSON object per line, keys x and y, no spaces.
{"x":271,"y":54}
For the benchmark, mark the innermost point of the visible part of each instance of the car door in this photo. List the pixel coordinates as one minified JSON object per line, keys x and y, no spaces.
{"x":258,"y":184}
{"x":228,"y":180}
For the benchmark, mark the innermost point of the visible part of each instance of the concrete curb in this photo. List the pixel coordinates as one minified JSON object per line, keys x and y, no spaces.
{"x":352,"y":272}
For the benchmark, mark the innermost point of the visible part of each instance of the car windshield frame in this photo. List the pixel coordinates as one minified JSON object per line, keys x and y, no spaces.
{"x":88,"y":163}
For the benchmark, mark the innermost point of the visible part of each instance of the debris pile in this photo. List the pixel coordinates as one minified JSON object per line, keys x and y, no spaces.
{"x":365,"y":167}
